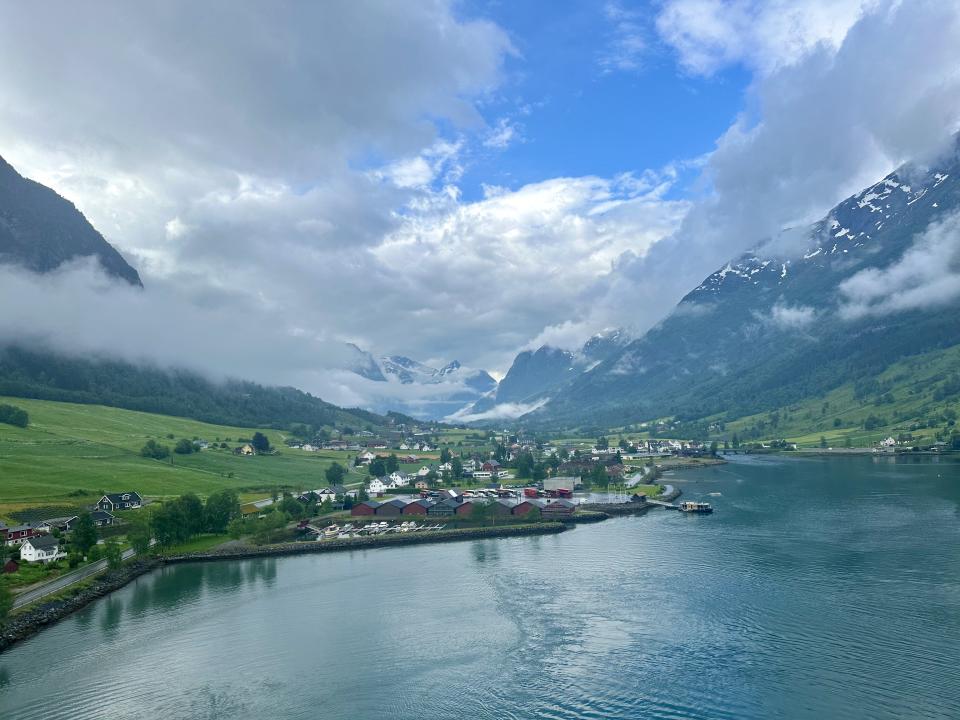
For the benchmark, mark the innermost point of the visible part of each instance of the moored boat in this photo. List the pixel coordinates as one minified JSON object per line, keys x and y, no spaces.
{"x":690,"y":506}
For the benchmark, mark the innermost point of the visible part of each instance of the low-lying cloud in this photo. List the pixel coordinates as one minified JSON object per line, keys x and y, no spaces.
{"x":503,"y":411}
{"x":926,"y":276}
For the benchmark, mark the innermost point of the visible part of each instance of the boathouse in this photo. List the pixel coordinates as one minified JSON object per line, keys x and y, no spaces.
{"x":417,"y":507}
{"x":559,"y":508}
{"x":502,"y":508}
{"x":525,"y":509}
{"x":391,"y":508}
{"x":444,"y":508}
{"x":367,"y":507}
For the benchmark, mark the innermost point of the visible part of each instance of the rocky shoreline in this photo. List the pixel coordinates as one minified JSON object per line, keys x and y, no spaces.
{"x":28,"y":623}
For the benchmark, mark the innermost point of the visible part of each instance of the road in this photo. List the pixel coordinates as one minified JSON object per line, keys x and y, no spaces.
{"x":64,"y":581}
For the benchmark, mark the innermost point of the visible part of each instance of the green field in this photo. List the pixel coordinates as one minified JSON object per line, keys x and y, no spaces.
{"x":70,"y":453}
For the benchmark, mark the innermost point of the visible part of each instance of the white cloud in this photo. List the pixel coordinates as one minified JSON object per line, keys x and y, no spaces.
{"x":825,"y":126}
{"x":627,"y":44}
{"x":791,"y":317}
{"x":765,"y":35}
{"x":502,"y":135}
{"x":503,"y":411}
{"x":927,"y":275}
{"x":500,"y":270}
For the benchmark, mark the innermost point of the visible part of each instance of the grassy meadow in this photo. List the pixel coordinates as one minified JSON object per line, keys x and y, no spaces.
{"x":70,"y":453}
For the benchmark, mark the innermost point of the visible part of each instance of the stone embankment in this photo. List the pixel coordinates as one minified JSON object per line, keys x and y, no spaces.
{"x":374,"y":541}
{"x":29,"y":622}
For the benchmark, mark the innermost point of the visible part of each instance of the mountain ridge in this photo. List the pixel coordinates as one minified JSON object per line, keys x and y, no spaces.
{"x":766,"y":329}
{"x":41,"y":230}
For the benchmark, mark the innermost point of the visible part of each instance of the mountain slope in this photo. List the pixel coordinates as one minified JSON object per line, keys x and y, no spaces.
{"x":51,"y":376}
{"x":534,"y":374}
{"x":765,"y":331}
{"x":39,"y":230}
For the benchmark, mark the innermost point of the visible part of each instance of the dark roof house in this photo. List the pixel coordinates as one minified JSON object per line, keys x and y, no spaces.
{"x":111,"y":502}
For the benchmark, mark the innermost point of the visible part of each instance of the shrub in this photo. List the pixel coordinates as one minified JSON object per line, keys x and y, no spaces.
{"x":12,"y":415}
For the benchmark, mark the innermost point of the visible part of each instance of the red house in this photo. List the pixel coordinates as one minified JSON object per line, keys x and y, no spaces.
{"x":18,"y":533}
{"x":464,"y":508}
{"x":368,"y":507}
{"x":11,"y":566}
{"x":490,"y":466}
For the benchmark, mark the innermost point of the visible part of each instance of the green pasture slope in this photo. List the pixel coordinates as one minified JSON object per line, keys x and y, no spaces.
{"x":69,"y":448}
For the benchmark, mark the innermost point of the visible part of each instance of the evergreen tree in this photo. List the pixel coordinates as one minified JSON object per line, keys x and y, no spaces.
{"x":260,"y":442}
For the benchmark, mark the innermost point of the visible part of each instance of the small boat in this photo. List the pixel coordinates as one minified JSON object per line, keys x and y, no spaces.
{"x":695,"y":507}
{"x":331,"y":532}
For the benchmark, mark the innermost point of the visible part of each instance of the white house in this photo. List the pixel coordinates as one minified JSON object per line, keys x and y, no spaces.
{"x":423,"y":472}
{"x":398,"y":479}
{"x":42,"y":548}
{"x":377,"y":487}
{"x":889,"y":442}
{"x":469,"y":465}
{"x":404,"y":446}
{"x":446,"y":467}
{"x":367,"y":457}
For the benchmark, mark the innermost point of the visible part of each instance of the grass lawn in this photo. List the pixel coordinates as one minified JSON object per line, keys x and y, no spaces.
{"x":71,"y":453}
{"x":30,"y":573}
{"x":648,"y":490}
{"x":197,"y":544}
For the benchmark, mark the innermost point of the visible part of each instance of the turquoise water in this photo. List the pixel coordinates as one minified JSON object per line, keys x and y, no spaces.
{"x":818,"y":589}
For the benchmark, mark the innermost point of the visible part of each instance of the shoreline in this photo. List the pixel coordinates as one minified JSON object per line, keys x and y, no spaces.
{"x":32,"y":620}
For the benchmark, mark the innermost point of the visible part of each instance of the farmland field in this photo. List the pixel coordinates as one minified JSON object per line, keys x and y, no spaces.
{"x":70,"y":452}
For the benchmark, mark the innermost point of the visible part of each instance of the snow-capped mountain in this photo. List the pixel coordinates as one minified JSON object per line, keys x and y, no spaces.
{"x":874,"y":281}
{"x":427,"y":392}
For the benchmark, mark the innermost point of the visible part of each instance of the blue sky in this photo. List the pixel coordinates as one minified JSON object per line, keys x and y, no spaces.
{"x":578,"y":113}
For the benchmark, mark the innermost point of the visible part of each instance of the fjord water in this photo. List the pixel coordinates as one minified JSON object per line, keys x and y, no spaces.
{"x":819,"y":589}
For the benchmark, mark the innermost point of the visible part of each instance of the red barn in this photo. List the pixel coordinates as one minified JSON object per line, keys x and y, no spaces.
{"x":368,"y":507}
{"x":464,"y":509}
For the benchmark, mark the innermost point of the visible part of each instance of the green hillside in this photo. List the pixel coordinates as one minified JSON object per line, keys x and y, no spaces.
{"x":918,"y":396}
{"x":70,"y":453}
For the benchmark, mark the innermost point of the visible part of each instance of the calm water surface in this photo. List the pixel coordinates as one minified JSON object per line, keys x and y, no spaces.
{"x":819,"y":589}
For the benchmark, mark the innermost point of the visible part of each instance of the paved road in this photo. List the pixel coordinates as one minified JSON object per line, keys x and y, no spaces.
{"x":64,"y":581}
